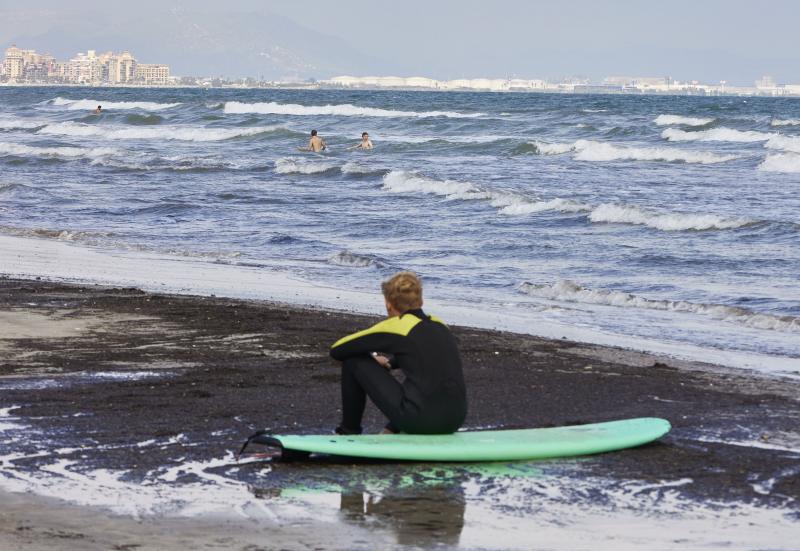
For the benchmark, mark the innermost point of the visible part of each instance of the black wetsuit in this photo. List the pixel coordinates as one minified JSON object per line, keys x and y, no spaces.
{"x":431,"y":400}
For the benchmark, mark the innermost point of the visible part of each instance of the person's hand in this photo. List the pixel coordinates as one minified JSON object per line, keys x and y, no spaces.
{"x":382,"y":360}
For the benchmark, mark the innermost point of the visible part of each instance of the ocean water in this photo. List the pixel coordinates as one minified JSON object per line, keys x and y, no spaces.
{"x":669,"y":219}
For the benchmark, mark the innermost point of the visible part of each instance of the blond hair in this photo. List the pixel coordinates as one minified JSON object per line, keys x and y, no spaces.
{"x":403,"y":291}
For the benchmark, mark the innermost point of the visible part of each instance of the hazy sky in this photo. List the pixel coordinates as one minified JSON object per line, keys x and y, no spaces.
{"x":707,"y":40}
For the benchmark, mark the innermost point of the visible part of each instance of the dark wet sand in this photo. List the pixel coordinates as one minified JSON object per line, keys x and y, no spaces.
{"x":242,"y":365}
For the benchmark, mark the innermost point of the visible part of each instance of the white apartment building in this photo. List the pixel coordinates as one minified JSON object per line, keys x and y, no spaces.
{"x":151,"y":73}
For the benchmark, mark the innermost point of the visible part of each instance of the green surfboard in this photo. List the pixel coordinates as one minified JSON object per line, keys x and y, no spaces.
{"x":489,"y":445}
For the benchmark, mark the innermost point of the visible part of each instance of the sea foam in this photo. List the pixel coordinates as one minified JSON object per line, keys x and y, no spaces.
{"x":569,"y":291}
{"x":352,"y":260}
{"x":193,"y":134}
{"x":781,"y":162}
{"x":785,"y":122}
{"x":589,"y":150}
{"x":20,"y":150}
{"x":342,"y":110}
{"x":20,"y":124}
{"x":289,"y":165}
{"x":716,"y":135}
{"x":91,"y":104}
{"x":785,"y":143}
{"x":665,"y":120}
{"x":626,"y":214}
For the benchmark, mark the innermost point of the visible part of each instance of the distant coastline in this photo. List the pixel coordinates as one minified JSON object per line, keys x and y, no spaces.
{"x":579,"y":89}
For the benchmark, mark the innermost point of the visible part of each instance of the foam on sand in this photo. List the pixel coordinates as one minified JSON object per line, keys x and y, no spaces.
{"x":666,"y":120}
{"x":569,"y":291}
{"x":91,"y":104}
{"x":625,"y":214}
{"x":290,"y":165}
{"x":20,"y":150}
{"x":781,"y":162}
{"x":342,"y":110}
{"x":193,"y":134}
{"x":716,"y":135}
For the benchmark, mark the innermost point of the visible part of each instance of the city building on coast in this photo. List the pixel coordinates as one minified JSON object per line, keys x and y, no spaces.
{"x":765,"y":86}
{"x":90,"y":68}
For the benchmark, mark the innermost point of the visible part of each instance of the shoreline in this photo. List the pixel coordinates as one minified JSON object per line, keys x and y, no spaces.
{"x":73,"y":263}
{"x":214,"y":369}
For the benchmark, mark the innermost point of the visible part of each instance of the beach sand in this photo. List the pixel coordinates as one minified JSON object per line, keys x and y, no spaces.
{"x":236,"y":366}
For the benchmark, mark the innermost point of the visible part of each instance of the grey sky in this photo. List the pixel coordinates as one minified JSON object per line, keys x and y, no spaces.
{"x":707,"y":40}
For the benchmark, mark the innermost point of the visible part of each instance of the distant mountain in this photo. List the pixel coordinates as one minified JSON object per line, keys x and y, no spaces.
{"x":212,"y":43}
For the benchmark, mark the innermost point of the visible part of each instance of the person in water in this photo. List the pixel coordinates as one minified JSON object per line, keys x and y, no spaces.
{"x":315,"y":144}
{"x":98,"y":110}
{"x":365,"y":142}
{"x":432,"y":398}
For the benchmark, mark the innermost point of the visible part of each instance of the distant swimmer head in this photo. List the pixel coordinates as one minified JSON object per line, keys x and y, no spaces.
{"x":313,"y":132}
{"x":402,"y":292}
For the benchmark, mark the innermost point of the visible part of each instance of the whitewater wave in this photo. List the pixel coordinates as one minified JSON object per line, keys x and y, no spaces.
{"x":20,"y":150}
{"x":557,"y":204}
{"x":716,"y":135}
{"x":508,"y":203}
{"x":610,"y":213}
{"x":342,"y":110}
{"x":666,"y":120}
{"x":569,"y":291}
{"x":589,"y":150}
{"x":91,"y":104}
{"x":288,"y":165}
{"x":781,"y":162}
{"x":193,"y":134}
{"x":352,"y":167}
{"x":353,"y":260}
{"x":20,"y":124}
{"x":786,"y":143}
{"x":785,"y":122}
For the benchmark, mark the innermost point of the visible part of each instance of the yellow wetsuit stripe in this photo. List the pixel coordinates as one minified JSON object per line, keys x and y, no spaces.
{"x":398,"y":325}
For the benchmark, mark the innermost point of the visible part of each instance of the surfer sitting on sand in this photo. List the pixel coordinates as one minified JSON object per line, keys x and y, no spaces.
{"x":315,"y":144}
{"x":432,"y":398}
{"x":365,"y":142}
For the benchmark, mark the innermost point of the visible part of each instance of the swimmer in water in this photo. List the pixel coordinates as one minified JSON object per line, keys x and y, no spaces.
{"x":315,"y":144}
{"x":365,"y":142}
{"x":432,"y":399}
{"x":98,"y":110}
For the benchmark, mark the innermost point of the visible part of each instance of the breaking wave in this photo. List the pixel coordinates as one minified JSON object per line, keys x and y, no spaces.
{"x":156,"y":133}
{"x":781,"y":162}
{"x":299,"y":166}
{"x":353,"y":260}
{"x":625,"y":214}
{"x":786,"y":143}
{"x":351,"y":167}
{"x":90,"y":104}
{"x":785,"y":122}
{"x":20,"y":150}
{"x":20,"y":124}
{"x":569,"y":291}
{"x":665,"y":120}
{"x":509,"y":203}
{"x":715,"y":135}
{"x":588,"y":150}
{"x":343,"y":110}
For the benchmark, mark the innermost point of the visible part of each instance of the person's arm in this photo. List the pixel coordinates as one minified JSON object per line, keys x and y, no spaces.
{"x":386,"y":336}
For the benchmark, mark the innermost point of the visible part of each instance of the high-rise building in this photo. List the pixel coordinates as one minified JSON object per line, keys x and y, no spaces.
{"x":152,"y":73}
